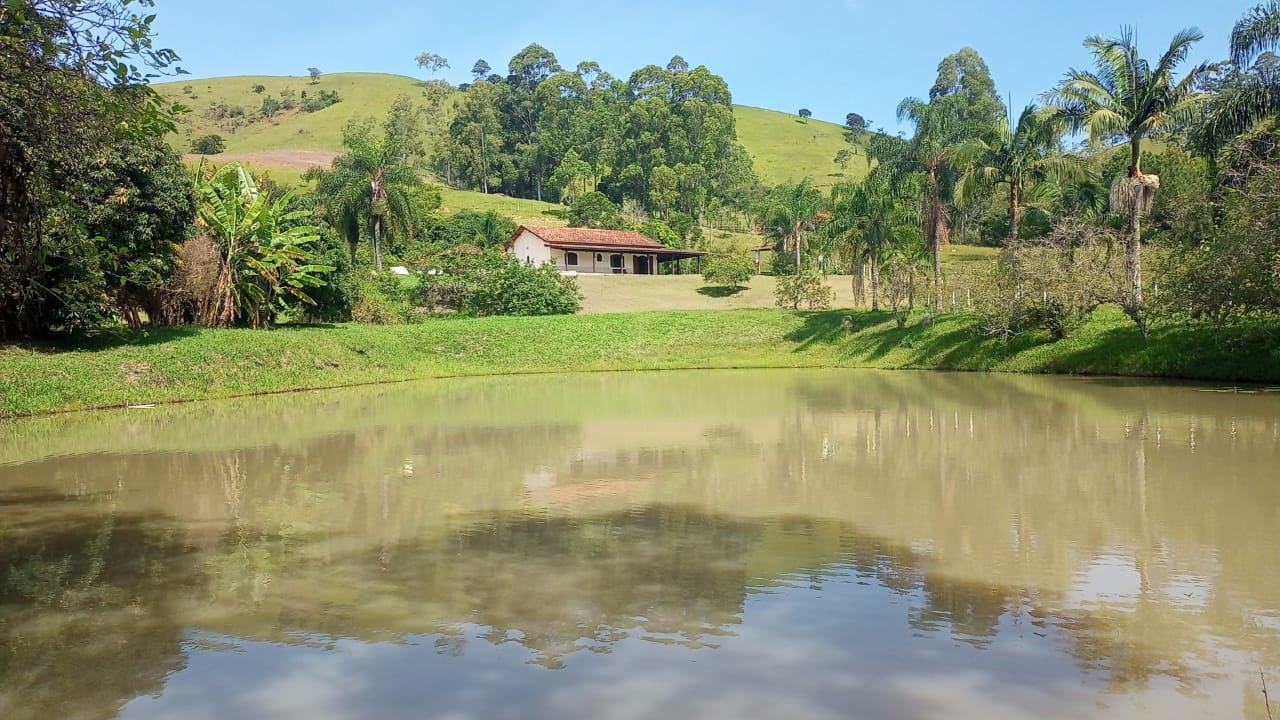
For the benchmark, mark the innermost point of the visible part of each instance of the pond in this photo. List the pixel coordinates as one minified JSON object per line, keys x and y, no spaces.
{"x":792,"y":544}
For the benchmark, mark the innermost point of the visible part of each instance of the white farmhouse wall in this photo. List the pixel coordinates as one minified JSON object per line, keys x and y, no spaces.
{"x":530,"y":248}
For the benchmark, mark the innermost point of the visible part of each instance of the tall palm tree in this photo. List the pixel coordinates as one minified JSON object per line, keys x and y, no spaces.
{"x":375,"y":184}
{"x":790,"y":211}
{"x":931,"y":150}
{"x":1017,"y":158}
{"x":1128,"y":99}
{"x":1251,"y":91}
{"x":1257,"y":31}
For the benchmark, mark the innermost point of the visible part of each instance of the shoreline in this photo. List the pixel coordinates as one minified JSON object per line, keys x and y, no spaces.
{"x":178,"y":365}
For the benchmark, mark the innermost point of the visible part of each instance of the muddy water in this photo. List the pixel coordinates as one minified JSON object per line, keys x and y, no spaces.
{"x":741,"y":544}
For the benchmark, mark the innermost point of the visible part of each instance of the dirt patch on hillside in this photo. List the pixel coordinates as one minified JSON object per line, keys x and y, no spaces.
{"x":300,"y":160}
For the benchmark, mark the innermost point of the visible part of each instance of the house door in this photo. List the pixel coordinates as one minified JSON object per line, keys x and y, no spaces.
{"x":641,"y":265}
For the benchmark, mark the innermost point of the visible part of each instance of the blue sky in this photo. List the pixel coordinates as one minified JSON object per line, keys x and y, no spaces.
{"x":831,"y":56}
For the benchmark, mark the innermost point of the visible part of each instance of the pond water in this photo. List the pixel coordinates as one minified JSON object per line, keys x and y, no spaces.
{"x":790,"y":544}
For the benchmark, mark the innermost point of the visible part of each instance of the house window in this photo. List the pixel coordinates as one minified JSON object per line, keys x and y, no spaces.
{"x":615,"y":261}
{"x":571,"y":258}
{"x":599,"y":257}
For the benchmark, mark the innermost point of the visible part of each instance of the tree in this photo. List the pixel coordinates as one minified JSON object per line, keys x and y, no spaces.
{"x":965,"y":75}
{"x":855,"y":123}
{"x":477,"y":137}
{"x":677,"y":64}
{"x":259,"y":89}
{"x":1256,"y":32}
{"x":939,"y":129}
{"x":728,"y":269}
{"x":263,"y":265}
{"x":375,"y":183}
{"x":1127,"y":99}
{"x":790,"y":212}
{"x":270,"y":106}
{"x":431,"y":62}
{"x":481,"y":70}
{"x":208,"y":145}
{"x":1018,"y":159}
{"x":315,"y":75}
{"x":594,"y":210}
{"x":868,"y":220}
{"x":72,"y":86}
{"x":1250,"y":91}
{"x":805,"y":113}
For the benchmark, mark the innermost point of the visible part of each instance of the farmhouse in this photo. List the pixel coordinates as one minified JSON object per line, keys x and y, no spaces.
{"x":589,"y":251}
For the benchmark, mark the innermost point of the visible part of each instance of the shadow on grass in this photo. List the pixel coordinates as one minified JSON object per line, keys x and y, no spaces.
{"x":104,"y":340}
{"x":827,"y":326}
{"x":719,"y":291}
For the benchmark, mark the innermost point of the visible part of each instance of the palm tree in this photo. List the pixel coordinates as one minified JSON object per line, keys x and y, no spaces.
{"x":375,"y":184}
{"x":1017,"y":158}
{"x":931,"y":151}
{"x":869,"y":220}
{"x":1256,"y":32}
{"x":1251,"y":91}
{"x":1126,"y":98}
{"x":790,"y":211}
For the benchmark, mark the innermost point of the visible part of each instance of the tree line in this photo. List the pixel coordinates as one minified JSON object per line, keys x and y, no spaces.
{"x":664,"y":138}
{"x":1179,"y":169}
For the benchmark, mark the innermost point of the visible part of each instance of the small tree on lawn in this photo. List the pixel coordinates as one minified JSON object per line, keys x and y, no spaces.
{"x":729,"y":269}
{"x":315,"y":75}
{"x":208,"y":145}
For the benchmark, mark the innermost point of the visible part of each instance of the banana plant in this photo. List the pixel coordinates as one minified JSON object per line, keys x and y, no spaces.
{"x":265,"y":262}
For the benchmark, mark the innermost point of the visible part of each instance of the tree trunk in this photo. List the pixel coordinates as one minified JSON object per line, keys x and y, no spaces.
{"x":875,"y":284}
{"x":1015,"y":223}
{"x":798,"y":251}
{"x":859,"y":283}
{"x":1133,"y":243}
{"x":377,"y":242}
{"x":935,"y":247}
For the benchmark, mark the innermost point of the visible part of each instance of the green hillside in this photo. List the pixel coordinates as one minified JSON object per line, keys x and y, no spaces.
{"x":363,"y":94}
{"x":781,"y":145}
{"x":784,"y":147}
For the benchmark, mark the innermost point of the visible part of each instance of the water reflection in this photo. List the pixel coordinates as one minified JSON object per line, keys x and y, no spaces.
{"x":920,"y":544}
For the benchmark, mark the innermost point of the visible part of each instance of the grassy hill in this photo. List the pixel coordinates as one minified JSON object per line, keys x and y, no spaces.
{"x":782,"y":146}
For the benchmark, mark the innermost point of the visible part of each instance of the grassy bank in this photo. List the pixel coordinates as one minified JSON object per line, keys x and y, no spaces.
{"x":190,"y":364}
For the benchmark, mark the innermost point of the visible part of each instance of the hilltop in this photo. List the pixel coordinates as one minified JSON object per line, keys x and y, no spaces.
{"x":782,"y":146}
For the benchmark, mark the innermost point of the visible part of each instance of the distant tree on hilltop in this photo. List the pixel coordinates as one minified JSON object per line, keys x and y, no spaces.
{"x":315,"y":75}
{"x":805,"y":113}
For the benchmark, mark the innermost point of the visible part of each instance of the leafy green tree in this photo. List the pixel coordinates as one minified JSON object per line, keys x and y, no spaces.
{"x":270,"y":106}
{"x":315,"y":75}
{"x":481,"y":70}
{"x":790,"y":212}
{"x":728,"y":269}
{"x":263,"y":265}
{"x":594,"y":210}
{"x":208,"y":145}
{"x":259,"y":89}
{"x":375,"y":184}
{"x":431,"y":62}
{"x":572,"y":177}
{"x":1127,"y":99}
{"x":965,"y":76}
{"x":71,"y":86}
{"x":144,"y":206}
{"x":805,"y":113}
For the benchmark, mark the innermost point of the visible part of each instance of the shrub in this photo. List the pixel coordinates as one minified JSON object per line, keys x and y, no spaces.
{"x":321,"y":101}
{"x":208,"y":145}
{"x":729,"y":269}
{"x":1052,"y":283}
{"x":803,"y":289}
{"x":381,"y":299}
{"x":490,"y":282}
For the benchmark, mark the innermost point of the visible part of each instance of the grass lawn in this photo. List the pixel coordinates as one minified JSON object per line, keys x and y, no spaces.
{"x":785,"y":148}
{"x":190,"y":364}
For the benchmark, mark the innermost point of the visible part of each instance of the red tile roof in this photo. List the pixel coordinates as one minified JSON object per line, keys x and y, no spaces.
{"x":588,"y":237}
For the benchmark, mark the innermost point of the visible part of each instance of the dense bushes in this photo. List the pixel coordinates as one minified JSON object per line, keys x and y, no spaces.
{"x":208,"y":145}
{"x":472,"y":281}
